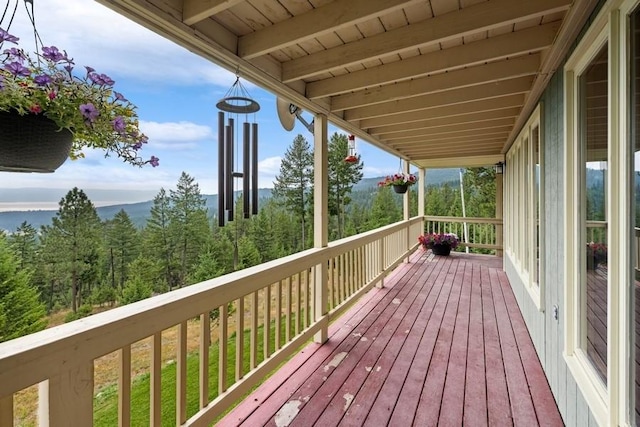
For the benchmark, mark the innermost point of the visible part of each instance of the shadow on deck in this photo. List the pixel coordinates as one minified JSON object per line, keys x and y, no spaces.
{"x":443,"y":343}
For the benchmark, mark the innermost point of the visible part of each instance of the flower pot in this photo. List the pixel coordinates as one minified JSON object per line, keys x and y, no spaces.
{"x":32,"y":143}
{"x":400,"y":188}
{"x":441,"y":249}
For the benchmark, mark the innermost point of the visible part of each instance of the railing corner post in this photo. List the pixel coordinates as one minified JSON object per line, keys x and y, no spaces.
{"x":321,"y":291}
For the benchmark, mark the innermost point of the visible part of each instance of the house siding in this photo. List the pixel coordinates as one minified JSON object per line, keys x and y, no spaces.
{"x":546,"y":332}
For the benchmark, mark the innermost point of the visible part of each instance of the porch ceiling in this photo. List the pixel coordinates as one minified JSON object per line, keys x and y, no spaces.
{"x":437,"y":82}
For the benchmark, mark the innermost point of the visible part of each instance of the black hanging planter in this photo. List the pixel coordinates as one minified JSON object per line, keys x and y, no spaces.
{"x":32,"y":143}
{"x":400,"y":188}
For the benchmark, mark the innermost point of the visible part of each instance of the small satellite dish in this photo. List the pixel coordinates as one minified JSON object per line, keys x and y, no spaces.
{"x":286,"y":116}
{"x":288,"y":112}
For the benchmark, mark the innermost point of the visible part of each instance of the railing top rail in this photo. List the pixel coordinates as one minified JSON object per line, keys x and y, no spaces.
{"x":457,"y":219}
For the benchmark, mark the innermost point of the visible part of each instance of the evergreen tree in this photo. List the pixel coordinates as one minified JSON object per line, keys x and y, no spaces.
{"x":122,"y":247}
{"x":189,"y":223}
{"x":294,"y":181}
{"x":76,"y":232}
{"x":385,"y":209}
{"x":342,"y":177}
{"x":24,"y":243}
{"x":21,"y":311}
{"x":159,"y":243}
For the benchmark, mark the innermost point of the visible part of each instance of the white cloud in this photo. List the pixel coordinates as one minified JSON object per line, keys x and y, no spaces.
{"x":176,"y":135}
{"x":270,"y":165}
{"x":95,"y":35}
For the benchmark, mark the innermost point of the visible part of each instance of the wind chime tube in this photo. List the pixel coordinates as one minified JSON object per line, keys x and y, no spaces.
{"x":221,"y":169}
{"x":229,"y":171}
{"x":254,"y":169}
{"x":246,"y":129}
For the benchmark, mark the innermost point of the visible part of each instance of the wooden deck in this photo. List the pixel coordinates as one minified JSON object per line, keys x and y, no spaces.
{"x":443,"y":343}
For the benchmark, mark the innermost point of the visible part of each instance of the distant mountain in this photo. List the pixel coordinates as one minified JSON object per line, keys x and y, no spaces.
{"x":139,"y":212}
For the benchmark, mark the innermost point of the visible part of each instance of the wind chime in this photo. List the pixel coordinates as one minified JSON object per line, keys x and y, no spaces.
{"x":237,"y":103}
{"x":351,"y":150}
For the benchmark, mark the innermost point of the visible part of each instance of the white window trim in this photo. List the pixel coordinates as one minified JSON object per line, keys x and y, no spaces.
{"x":520,"y":162}
{"x":609,"y":403}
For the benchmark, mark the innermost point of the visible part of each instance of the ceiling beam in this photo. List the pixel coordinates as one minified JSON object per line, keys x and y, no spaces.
{"x":463,"y":120}
{"x":503,"y":46}
{"x":437,"y":100}
{"x":479,"y":106}
{"x":483,"y":145}
{"x":194,"y":11}
{"x":495,"y":71}
{"x":458,"y":162}
{"x":451,"y":129}
{"x":316,"y":22}
{"x":473,"y":19}
{"x":443,"y":139}
{"x":447,"y":154}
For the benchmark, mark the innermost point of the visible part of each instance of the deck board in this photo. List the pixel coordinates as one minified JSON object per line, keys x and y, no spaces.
{"x":443,"y":343}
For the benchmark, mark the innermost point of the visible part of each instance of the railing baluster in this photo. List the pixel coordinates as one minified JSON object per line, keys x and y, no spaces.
{"x":6,"y":410}
{"x":155,"y":368}
{"x":124,"y":387}
{"x":267,"y":322}
{"x":343,"y":278}
{"x":298,"y":302}
{"x":205,"y":343}
{"x":239,"y":338}
{"x":253,"y":359}
{"x":278,"y":315}
{"x":181,"y":374}
{"x":305,"y":287}
{"x":331,"y":277}
{"x":288,"y":311}
{"x":223,"y":351}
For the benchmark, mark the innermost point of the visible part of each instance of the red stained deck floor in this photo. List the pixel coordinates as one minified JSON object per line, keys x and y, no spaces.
{"x":443,"y":343}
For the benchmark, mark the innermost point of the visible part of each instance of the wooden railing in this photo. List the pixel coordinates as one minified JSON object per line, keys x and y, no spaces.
{"x":272,"y":309}
{"x":636,"y":251}
{"x":482,"y":233}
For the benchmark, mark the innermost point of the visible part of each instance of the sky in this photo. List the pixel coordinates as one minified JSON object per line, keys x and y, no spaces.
{"x":175,"y":91}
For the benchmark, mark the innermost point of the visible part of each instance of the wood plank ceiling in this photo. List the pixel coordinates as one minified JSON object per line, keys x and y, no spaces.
{"x":437,"y":82}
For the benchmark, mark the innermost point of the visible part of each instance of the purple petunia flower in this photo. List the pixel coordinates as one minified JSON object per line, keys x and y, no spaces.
{"x":154,"y":161}
{"x":101,"y":79}
{"x":17,"y":69}
{"x":6,"y":37}
{"x":120,"y":97}
{"x":53,"y":54}
{"x":89,"y":69}
{"x":42,"y":80}
{"x":118,"y":124}
{"x":89,"y":112}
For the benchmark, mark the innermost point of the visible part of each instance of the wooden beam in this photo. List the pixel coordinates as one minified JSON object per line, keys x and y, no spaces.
{"x":457,"y":158}
{"x":491,"y":145}
{"x":198,"y":10}
{"x":478,"y":106}
{"x":463,"y":151}
{"x":460,"y":120}
{"x":452,"y":129}
{"x":316,"y":22}
{"x":458,"y":162}
{"x":467,"y":137}
{"x":440,"y":99}
{"x":521,"y":42}
{"x":474,"y":19}
{"x":495,"y":71}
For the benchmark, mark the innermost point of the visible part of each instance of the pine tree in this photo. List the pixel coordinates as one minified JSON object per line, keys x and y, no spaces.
{"x":76,"y":233}
{"x":294,"y":182}
{"x":342,"y":177}
{"x":24,"y":242}
{"x":385,"y":209}
{"x":122,"y":244}
{"x":21,"y":311}
{"x":158,"y":242}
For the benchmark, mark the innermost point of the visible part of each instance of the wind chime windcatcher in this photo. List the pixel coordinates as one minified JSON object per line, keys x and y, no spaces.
{"x":237,"y":103}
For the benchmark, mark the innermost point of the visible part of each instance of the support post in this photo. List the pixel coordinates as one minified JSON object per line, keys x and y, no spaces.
{"x":499,"y":211}
{"x":422,"y":183}
{"x":320,"y":218}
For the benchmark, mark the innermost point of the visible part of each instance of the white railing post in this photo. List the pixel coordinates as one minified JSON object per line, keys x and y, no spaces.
{"x":499,"y":208}
{"x":320,"y":218}
{"x":69,"y":397}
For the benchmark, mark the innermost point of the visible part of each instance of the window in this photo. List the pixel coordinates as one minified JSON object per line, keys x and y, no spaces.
{"x":524,"y":195}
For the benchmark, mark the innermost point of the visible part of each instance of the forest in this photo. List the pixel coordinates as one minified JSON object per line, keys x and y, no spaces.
{"x":79,"y":263}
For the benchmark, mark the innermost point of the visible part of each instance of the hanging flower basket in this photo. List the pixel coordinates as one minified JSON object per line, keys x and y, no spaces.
{"x":32,"y":143}
{"x":400,"y":188}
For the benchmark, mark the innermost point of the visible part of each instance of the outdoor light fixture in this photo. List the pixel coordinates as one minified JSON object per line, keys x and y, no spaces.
{"x":499,"y":168}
